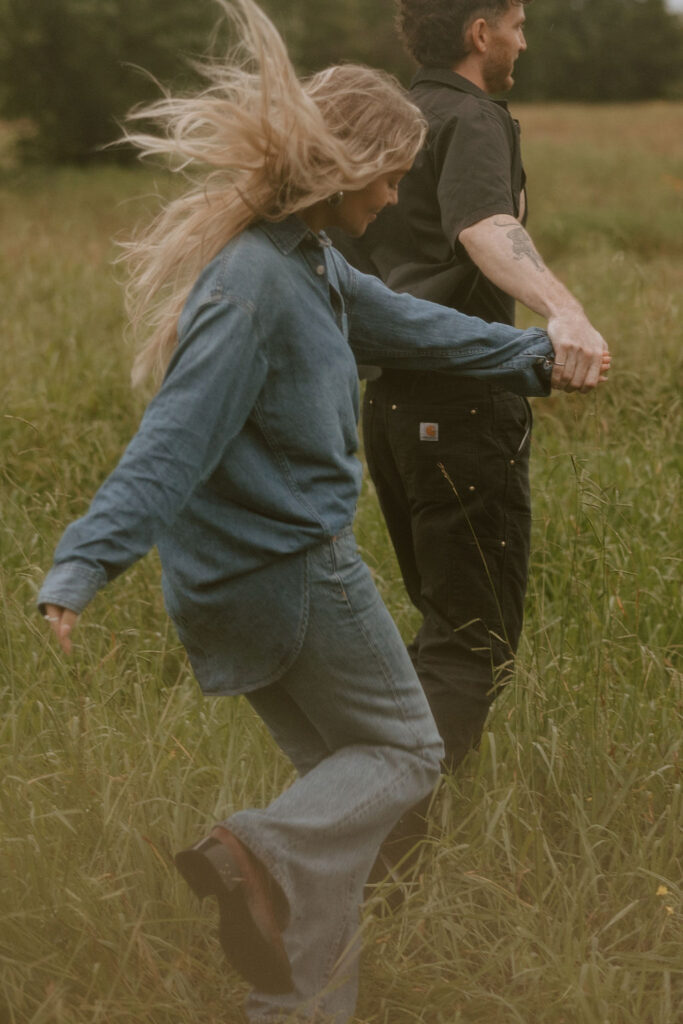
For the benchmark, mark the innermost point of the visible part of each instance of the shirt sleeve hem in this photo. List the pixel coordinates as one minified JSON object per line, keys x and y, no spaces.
{"x":476,"y":216}
{"x":70,"y":585}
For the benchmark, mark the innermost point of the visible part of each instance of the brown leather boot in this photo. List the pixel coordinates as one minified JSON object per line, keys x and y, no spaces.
{"x":250,"y":927}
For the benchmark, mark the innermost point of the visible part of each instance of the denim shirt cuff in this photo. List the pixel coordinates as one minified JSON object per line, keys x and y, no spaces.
{"x":71,"y":585}
{"x":542,"y":356}
{"x":539,"y":382}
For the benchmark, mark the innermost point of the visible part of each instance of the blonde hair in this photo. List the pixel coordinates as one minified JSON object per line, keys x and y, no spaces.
{"x":267,"y":145}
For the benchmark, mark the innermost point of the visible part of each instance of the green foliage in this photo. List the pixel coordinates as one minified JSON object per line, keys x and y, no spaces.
{"x":601,"y":50}
{"x":73,"y":66}
{"x":70,"y":65}
{"x":319,"y":34}
{"x":550,"y":892}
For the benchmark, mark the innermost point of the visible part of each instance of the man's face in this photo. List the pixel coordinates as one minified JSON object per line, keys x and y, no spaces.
{"x":506,"y":43}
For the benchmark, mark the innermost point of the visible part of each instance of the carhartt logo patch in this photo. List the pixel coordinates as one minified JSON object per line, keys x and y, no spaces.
{"x":429,"y":431}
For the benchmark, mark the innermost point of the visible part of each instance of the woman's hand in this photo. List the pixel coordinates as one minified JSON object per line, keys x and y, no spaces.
{"x":62,"y":622}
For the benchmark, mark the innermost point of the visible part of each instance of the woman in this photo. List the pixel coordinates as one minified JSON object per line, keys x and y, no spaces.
{"x":243,"y":473}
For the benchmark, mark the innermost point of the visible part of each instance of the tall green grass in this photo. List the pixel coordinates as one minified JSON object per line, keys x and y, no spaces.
{"x":551,"y":886}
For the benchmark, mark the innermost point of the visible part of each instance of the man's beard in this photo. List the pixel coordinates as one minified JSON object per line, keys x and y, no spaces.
{"x":497,"y":74}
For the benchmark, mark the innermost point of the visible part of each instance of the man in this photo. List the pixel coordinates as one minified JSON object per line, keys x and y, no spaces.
{"x":450,"y":459}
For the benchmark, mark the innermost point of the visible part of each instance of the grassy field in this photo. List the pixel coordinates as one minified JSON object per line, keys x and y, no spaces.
{"x":552,"y":885}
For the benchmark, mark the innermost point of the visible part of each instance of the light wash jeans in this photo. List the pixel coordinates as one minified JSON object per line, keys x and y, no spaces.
{"x":351,"y":715}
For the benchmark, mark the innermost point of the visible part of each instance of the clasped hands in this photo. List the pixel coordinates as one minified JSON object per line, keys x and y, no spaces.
{"x":582,"y":359}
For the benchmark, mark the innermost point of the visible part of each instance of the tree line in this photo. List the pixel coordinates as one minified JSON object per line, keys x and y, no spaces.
{"x":72,"y":67}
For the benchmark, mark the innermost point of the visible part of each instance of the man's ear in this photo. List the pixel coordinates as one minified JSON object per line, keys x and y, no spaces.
{"x":477,"y":36}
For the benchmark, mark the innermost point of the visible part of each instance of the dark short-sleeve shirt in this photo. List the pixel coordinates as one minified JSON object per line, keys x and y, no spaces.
{"x":469,"y":169}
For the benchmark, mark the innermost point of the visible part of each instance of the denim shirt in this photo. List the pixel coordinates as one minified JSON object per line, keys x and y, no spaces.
{"x":246,"y":457}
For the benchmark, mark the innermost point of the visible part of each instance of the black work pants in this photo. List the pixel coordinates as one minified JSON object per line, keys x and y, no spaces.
{"x":462,"y":543}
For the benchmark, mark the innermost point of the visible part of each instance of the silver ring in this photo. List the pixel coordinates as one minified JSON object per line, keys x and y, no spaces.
{"x":51,"y":618}
{"x":559,"y":364}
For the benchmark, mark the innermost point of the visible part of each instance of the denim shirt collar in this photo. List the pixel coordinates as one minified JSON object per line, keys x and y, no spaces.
{"x":288,"y":234}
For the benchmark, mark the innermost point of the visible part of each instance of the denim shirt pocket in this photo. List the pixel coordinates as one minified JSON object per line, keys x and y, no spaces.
{"x":252,"y":635}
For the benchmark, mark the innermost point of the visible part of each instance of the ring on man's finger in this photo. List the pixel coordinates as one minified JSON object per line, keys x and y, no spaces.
{"x":558,"y":364}
{"x":52,"y":618}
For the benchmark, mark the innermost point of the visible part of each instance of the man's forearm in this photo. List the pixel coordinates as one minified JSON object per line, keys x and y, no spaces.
{"x":504,"y":251}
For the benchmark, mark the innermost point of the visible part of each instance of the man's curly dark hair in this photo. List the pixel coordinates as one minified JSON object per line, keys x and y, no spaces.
{"x":434,"y":30}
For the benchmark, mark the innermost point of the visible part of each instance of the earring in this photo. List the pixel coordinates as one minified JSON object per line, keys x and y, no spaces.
{"x":336,"y":199}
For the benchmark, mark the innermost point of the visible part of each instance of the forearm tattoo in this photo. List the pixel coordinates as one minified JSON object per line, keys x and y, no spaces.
{"x":522,"y":246}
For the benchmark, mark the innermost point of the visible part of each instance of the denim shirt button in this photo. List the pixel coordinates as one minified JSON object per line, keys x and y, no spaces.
{"x":320,"y":270}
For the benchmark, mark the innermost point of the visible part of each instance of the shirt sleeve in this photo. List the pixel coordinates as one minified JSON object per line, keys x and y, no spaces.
{"x":393,"y":329}
{"x":473,"y":163}
{"x":208,"y":392}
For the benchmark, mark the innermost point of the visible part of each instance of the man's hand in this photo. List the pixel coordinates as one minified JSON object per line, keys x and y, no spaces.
{"x":62,"y":622}
{"x":581,"y":355}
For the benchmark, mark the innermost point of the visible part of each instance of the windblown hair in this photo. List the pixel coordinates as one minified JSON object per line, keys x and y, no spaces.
{"x":434,"y":30}
{"x":255,"y":143}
